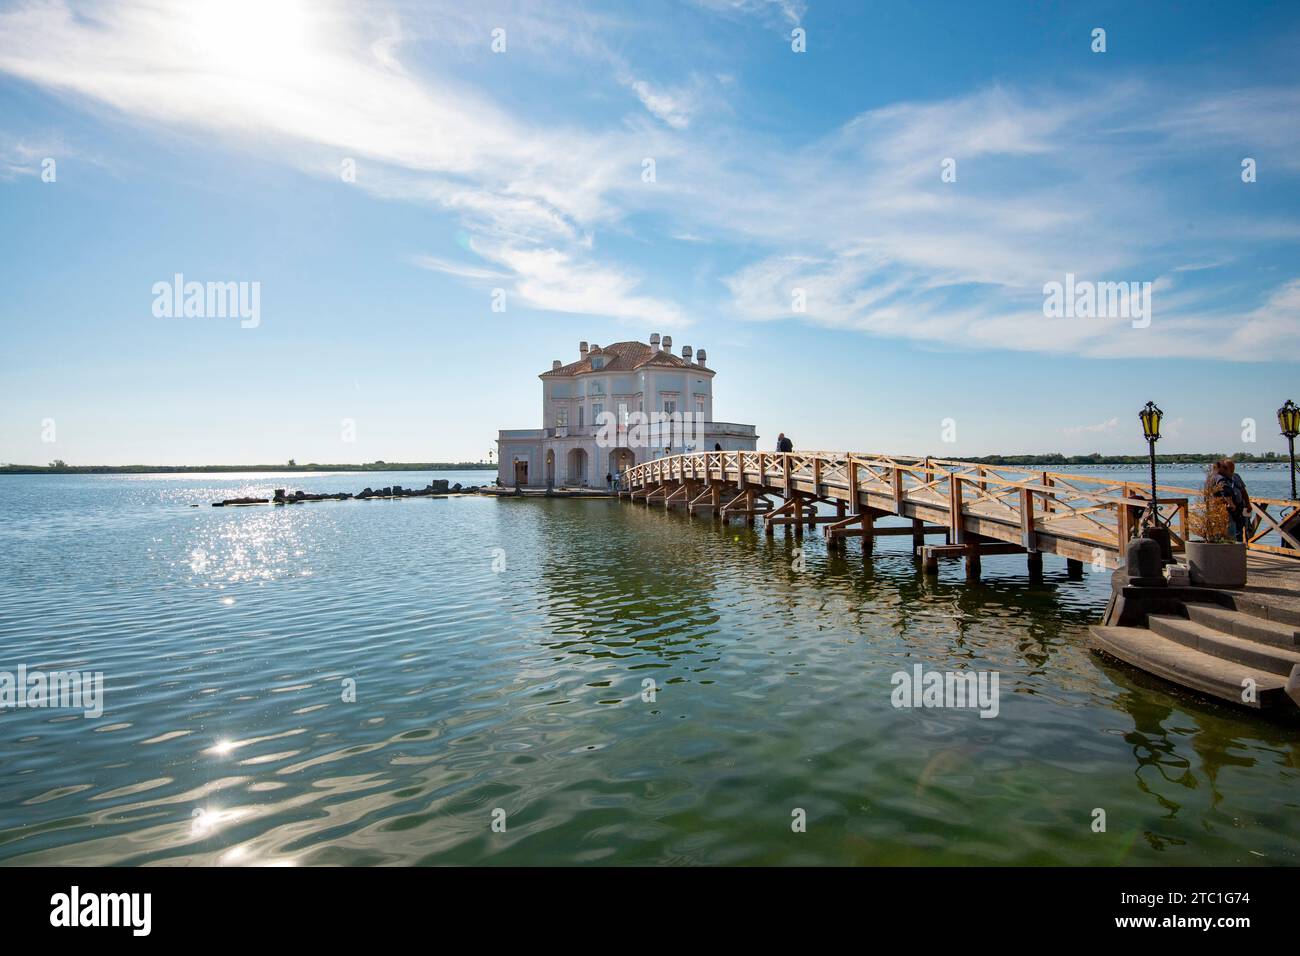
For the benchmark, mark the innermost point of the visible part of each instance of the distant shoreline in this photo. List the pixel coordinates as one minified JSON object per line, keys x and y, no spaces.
{"x":1270,"y":458}
{"x":199,"y":469}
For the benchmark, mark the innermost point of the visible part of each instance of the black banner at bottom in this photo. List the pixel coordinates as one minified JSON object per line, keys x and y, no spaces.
{"x":208,"y":906}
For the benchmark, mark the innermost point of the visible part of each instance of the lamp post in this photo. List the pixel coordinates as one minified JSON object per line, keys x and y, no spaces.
{"x":1288,"y":417}
{"x":1150,"y":417}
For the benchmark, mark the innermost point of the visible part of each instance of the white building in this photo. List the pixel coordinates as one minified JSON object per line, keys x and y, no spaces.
{"x":615,"y":407}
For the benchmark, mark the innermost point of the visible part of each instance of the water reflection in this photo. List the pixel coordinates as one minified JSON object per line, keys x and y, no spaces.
{"x":228,"y":738}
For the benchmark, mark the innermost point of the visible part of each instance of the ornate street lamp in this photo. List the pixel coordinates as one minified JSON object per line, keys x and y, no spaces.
{"x":1150,"y":417}
{"x":1288,"y":417}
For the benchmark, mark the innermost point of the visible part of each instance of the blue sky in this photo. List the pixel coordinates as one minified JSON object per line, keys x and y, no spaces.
{"x":208,"y":139}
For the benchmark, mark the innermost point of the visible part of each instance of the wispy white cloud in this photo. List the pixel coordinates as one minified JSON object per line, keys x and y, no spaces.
{"x":459,"y":269}
{"x":22,"y":156}
{"x":783,"y":12}
{"x":1100,"y":428}
{"x":674,"y":107}
{"x":858,"y":219}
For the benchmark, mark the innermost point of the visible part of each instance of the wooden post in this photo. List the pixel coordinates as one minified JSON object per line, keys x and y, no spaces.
{"x":1027,"y":536}
{"x":1125,"y":525}
{"x":972,"y":557}
{"x":956,"y":532}
{"x":852,"y":469}
{"x":918,"y":537}
{"x":1074,"y":569}
{"x":1036,"y":567}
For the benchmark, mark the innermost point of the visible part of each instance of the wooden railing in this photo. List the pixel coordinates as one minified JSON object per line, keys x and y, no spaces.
{"x":1075,"y":515}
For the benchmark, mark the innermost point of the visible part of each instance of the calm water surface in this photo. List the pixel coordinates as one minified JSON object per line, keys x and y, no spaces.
{"x":226,"y":637}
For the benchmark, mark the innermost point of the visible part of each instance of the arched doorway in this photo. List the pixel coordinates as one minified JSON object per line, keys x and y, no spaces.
{"x":620,"y":460}
{"x":550,"y":467}
{"x":577,"y":471}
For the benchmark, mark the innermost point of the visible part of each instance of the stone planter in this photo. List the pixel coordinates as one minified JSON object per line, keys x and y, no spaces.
{"x":1217,"y":565}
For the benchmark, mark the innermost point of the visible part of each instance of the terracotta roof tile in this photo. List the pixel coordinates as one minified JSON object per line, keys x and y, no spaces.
{"x":622,"y":357}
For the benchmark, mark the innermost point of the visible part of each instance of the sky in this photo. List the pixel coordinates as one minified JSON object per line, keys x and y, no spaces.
{"x":855,"y":208}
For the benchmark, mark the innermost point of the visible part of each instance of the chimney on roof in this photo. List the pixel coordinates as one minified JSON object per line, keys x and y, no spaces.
{"x":582,"y":350}
{"x":700,"y":356}
{"x":654,"y":341}
{"x":555,"y":363}
{"x":686,"y":354}
{"x":668,"y":344}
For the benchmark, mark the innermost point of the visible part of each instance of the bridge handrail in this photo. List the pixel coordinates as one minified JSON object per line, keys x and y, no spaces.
{"x":1061,"y":490}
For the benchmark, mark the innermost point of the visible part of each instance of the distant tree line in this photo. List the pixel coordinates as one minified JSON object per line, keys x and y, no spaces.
{"x":1095,"y":458}
{"x":60,"y":467}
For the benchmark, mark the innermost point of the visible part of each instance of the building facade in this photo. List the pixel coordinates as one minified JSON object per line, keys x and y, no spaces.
{"x":615,"y":407}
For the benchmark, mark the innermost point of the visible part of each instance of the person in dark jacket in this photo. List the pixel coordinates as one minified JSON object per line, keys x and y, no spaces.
{"x":783,"y":443}
{"x":1242,"y":498}
{"x":1219,"y":484}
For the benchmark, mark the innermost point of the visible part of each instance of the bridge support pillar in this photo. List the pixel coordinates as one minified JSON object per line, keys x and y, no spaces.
{"x":972,"y":559}
{"x":1036,"y":567}
{"x":1074,"y":569}
{"x":930,"y":563}
{"x":918,"y":535}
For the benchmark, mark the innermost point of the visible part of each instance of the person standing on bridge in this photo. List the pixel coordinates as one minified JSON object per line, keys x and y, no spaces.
{"x":1243,"y":497}
{"x":783,"y":443}
{"x":1220,"y":485}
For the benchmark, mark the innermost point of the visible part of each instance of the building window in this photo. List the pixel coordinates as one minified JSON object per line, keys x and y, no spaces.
{"x":670,"y":406}
{"x":699,"y":406}
{"x":579,"y":416}
{"x":562,"y":417}
{"x":596,"y":409}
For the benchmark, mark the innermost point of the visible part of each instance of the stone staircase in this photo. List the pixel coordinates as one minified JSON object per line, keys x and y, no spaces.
{"x":1217,"y":650}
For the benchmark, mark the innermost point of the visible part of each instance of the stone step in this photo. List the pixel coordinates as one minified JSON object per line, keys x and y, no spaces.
{"x":1267,"y":608}
{"x":1208,"y":640}
{"x":1189,"y":667}
{"x":1245,"y":625}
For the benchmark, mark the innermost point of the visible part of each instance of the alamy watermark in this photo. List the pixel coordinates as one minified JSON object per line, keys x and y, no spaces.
{"x":1084,"y":299}
{"x":130,"y":910}
{"x":655,"y":430}
{"x":208,"y":300}
{"x":970,"y":689}
{"x":71,"y":690}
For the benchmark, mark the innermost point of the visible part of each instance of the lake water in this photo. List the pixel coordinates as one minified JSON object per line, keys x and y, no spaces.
{"x":499,"y":650}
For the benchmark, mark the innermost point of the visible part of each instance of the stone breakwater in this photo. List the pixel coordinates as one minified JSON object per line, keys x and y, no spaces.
{"x":435,"y":489}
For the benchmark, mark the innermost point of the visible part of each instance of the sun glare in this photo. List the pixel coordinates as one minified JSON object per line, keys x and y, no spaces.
{"x":255,"y":39}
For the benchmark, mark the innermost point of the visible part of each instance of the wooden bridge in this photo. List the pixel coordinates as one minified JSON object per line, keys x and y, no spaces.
{"x":976,"y":509}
